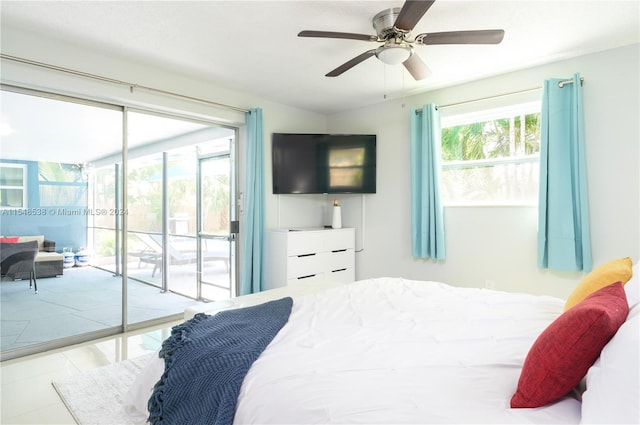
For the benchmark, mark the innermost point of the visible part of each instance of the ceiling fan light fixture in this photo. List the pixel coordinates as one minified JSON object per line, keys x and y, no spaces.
{"x":394,"y":54}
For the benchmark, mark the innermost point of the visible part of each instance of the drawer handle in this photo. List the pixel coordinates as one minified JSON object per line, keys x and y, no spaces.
{"x":306,"y":255}
{"x":338,"y":270}
{"x":306,"y":277}
{"x":339,"y":250}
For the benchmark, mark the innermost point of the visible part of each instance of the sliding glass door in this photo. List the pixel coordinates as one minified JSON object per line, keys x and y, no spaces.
{"x":53,"y":139}
{"x":66,"y":182}
{"x":173,"y":193}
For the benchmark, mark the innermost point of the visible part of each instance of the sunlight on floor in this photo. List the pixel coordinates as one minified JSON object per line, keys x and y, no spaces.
{"x":27,"y":394}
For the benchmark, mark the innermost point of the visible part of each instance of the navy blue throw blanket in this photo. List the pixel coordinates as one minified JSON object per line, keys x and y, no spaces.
{"x":206,"y":360}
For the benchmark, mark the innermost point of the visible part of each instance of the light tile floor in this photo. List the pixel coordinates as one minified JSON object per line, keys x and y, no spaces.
{"x":27,"y":396}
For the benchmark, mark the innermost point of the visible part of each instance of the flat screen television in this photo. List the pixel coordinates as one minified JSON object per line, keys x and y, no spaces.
{"x":323,"y":163}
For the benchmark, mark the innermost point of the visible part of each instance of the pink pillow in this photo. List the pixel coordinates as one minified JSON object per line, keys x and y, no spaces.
{"x":564,"y":351}
{"x":10,"y":240}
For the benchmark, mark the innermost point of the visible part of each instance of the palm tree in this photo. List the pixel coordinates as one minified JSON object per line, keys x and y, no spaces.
{"x":61,"y":184}
{"x":493,"y":139}
{"x":463,"y":142}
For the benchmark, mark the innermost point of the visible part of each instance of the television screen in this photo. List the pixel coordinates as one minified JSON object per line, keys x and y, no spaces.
{"x":323,"y":163}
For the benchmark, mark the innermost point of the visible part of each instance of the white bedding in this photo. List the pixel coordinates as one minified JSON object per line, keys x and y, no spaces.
{"x":397,"y":351}
{"x":391,"y":350}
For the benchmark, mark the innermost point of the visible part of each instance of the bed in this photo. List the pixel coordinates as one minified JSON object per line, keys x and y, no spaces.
{"x":392,"y":350}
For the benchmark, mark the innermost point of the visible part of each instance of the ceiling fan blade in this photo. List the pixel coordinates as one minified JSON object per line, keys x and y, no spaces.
{"x":411,"y":13}
{"x":461,"y":37}
{"x":416,"y":67}
{"x":344,"y":35}
{"x":350,"y":64}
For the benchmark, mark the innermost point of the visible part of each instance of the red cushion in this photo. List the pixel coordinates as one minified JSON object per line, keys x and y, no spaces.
{"x":10,"y":240}
{"x":566,"y":349}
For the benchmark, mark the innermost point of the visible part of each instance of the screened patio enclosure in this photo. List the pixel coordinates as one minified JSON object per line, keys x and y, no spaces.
{"x":179,"y":209}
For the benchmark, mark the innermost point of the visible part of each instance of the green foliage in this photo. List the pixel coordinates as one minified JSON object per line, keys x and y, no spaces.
{"x":61,"y":184}
{"x":463,"y":142}
{"x":145,"y":198}
{"x":59,"y":172}
{"x":472,"y":172}
{"x":491,"y":139}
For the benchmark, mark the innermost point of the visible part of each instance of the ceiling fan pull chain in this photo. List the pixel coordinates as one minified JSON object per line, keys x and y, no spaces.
{"x":384,"y":78}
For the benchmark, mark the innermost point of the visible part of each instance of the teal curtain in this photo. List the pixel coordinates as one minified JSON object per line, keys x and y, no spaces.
{"x":251,"y":271}
{"x":564,"y":241}
{"x":427,"y":223}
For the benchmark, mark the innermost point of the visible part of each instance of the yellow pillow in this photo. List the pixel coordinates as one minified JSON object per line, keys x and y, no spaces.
{"x":603,"y":275}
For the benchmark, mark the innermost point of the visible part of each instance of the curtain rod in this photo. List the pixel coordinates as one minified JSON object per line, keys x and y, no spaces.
{"x":131,"y":86}
{"x":560,"y":84}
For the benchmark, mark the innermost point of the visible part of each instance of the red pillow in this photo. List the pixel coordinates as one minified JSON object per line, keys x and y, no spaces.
{"x":566,"y":349}
{"x":10,"y":240}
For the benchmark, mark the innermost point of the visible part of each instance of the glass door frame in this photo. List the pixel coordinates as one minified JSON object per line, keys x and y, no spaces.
{"x":231,"y":236}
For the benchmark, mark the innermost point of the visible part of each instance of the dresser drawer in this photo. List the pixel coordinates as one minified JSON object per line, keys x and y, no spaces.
{"x":304,"y":265}
{"x":318,"y":241}
{"x":320,"y":277}
{"x":347,"y":275}
{"x":340,"y":239}
{"x":342,"y":259}
{"x":300,"y":243}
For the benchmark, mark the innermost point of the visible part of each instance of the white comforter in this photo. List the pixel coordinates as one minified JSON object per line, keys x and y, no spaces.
{"x":391,"y":350}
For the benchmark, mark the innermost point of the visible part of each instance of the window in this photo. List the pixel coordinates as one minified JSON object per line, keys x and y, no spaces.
{"x":13,"y":180}
{"x":62,"y":184}
{"x":492,"y":157}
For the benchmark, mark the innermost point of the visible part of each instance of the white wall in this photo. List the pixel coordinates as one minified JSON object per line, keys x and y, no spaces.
{"x":499,"y":243}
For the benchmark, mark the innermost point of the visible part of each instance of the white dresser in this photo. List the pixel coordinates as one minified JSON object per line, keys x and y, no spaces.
{"x":296,"y":257}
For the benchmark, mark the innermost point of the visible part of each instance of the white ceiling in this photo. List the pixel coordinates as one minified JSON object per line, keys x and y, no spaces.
{"x":253,"y":45}
{"x":76,"y":133}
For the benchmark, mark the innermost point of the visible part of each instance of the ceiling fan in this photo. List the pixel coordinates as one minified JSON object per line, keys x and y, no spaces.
{"x":393,"y":27}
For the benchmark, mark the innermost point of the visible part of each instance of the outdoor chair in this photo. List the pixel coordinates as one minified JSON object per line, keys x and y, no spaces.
{"x":19,"y":258}
{"x":177,"y":256}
